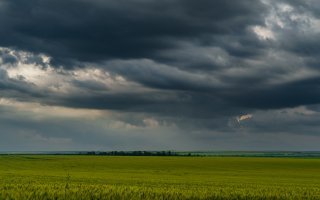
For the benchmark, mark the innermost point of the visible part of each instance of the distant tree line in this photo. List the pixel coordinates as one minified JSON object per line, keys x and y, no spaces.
{"x":131,"y":153}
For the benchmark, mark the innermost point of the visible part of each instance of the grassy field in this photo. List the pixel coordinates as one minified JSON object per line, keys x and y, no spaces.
{"x":104,"y":177}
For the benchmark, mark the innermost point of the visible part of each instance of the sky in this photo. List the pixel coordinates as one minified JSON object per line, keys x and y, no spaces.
{"x":159,"y":75}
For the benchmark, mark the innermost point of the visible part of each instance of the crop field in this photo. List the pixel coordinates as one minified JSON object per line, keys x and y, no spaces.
{"x":111,"y":177}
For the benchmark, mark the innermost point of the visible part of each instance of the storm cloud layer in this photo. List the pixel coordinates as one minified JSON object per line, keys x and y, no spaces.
{"x":150,"y":73}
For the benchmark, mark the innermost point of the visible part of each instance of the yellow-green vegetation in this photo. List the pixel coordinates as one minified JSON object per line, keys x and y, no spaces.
{"x":103,"y":177}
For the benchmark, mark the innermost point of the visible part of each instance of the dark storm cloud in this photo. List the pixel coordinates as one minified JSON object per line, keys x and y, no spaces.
{"x":90,"y":85}
{"x":161,"y":76}
{"x":301,"y":31}
{"x":107,"y":32}
{"x":197,"y":64}
{"x":99,"y":30}
{"x":304,"y":92}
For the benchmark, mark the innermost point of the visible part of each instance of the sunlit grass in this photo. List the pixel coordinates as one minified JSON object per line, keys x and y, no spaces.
{"x":103,"y":177}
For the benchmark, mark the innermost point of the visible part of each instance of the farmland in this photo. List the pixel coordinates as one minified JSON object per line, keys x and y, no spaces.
{"x":129,"y":177}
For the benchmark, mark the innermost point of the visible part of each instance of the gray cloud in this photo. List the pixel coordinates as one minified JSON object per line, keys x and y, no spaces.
{"x":194,"y":65}
{"x":97,"y":30}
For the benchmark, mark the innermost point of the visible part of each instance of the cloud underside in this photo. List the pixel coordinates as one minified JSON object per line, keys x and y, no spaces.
{"x":178,"y":68}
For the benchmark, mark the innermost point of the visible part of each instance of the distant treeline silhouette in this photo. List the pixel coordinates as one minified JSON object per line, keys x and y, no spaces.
{"x":132,"y":153}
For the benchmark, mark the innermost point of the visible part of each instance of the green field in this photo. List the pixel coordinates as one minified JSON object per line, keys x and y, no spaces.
{"x":107,"y":177}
